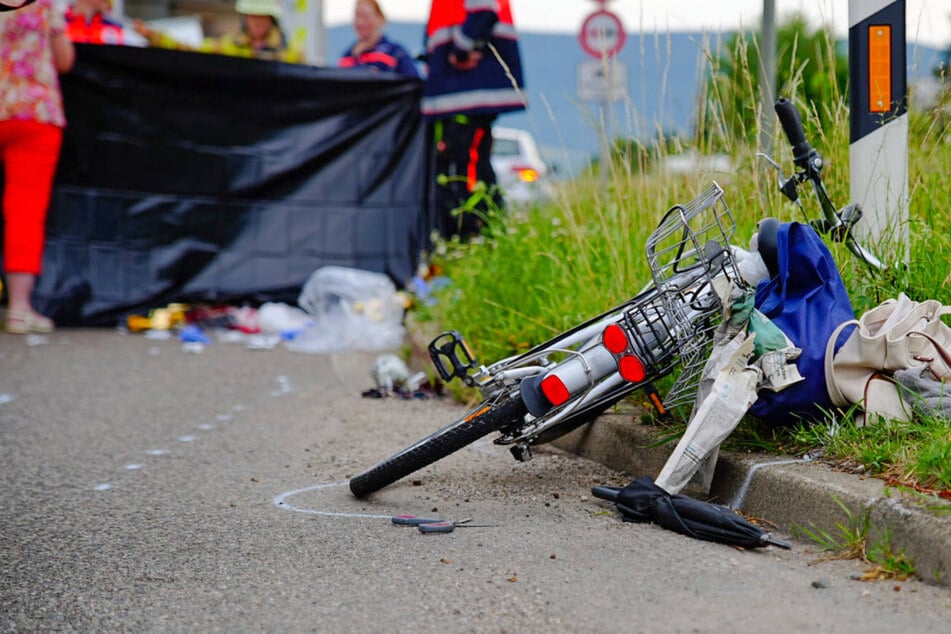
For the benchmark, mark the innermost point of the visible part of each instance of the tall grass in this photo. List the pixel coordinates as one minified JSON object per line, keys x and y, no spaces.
{"x":536,"y":272}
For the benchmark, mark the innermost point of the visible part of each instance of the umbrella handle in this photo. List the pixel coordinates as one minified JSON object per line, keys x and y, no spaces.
{"x":766,"y":539}
{"x":606,"y":493}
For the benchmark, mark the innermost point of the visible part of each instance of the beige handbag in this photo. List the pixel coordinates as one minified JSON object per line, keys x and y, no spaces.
{"x":897,"y":334}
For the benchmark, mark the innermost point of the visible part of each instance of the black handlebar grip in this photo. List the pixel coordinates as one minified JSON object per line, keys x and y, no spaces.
{"x":792,"y":126}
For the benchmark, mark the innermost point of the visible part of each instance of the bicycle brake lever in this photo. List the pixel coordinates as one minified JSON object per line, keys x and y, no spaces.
{"x":788,"y":186}
{"x":850,"y":214}
{"x":772,"y":163}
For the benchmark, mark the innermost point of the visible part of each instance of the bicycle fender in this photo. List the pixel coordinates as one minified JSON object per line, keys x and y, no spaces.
{"x":531,"y":393}
{"x":768,"y":245}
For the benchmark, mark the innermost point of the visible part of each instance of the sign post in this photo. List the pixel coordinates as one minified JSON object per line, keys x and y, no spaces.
{"x":878,"y":154}
{"x":604,"y":79}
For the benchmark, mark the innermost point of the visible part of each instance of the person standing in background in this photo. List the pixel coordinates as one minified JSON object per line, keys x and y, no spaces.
{"x":34,"y":48}
{"x":372,"y":49}
{"x":87,"y":22}
{"x":475,"y":74}
{"x":260,"y":36}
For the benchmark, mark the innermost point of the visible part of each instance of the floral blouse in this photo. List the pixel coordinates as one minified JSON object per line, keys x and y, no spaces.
{"x":29,"y":83}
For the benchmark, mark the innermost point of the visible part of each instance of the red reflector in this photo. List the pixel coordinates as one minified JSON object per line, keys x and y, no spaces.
{"x":631,"y":369}
{"x":554,"y":390}
{"x":614,"y":339}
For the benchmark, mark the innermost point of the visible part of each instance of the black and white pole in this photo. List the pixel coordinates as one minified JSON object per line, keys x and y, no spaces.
{"x":879,"y":123}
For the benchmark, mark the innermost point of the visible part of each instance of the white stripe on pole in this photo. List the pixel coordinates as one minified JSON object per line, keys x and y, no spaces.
{"x":861,"y":9}
{"x":878,"y":169}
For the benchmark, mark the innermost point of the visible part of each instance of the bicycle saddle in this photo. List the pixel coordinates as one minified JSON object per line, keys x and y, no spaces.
{"x":767,"y":245}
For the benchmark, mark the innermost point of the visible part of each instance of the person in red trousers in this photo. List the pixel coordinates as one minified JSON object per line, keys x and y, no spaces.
{"x":34,"y":48}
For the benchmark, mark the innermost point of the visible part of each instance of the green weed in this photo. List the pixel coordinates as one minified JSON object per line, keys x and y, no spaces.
{"x":851,"y":541}
{"x":848,"y":542}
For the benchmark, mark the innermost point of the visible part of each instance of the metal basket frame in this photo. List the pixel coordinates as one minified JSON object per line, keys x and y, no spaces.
{"x":690,"y":247}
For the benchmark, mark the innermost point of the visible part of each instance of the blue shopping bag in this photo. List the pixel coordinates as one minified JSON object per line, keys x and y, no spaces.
{"x":807,"y":300}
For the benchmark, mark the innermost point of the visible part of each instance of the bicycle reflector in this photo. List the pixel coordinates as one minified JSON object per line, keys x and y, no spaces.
{"x":555,"y":389}
{"x":629,"y":366}
{"x":614,"y":339}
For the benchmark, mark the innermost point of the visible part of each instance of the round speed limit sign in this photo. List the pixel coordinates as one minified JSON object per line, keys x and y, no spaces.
{"x":602,"y":34}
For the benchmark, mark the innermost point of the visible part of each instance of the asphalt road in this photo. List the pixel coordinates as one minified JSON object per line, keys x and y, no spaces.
{"x":149,"y":489}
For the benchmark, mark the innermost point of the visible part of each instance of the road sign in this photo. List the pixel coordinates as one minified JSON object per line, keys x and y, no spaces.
{"x":602,"y":80}
{"x":602,"y":34}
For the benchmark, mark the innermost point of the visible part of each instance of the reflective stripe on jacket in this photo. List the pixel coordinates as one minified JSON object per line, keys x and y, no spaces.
{"x":385,"y":55}
{"x":460,"y":27}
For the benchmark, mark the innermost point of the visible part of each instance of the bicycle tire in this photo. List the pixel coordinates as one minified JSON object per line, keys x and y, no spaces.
{"x":478,"y":422}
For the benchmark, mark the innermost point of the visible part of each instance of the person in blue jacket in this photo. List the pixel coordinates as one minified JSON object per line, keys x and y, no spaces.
{"x":475,"y":74}
{"x":372,"y":49}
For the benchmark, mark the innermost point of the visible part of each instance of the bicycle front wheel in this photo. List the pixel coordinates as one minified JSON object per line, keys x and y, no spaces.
{"x":478,"y":422}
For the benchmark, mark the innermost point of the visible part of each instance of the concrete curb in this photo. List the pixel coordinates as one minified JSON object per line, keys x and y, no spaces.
{"x":790,"y":493}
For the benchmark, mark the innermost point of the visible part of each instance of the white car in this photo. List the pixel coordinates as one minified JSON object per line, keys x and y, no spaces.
{"x":519,"y":169}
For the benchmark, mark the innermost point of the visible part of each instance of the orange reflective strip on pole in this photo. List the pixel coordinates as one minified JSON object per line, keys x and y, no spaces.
{"x":880,"y":68}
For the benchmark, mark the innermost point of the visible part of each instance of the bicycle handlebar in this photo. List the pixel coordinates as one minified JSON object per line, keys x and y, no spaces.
{"x":792,"y":126}
{"x":808,"y":160}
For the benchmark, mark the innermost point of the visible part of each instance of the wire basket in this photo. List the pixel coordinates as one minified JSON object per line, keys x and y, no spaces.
{"x":688,"y":250}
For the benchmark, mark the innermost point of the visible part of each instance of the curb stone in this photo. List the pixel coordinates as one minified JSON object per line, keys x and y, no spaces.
{"x":791,"y":494}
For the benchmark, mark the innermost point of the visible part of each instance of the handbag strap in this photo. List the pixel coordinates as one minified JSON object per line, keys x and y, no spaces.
{"x":939,"y":349}
{"x":941,"y":311}
{"x":834,"y":392}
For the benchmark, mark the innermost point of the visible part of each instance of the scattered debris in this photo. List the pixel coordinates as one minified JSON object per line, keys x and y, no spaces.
{"x":37,"y":340}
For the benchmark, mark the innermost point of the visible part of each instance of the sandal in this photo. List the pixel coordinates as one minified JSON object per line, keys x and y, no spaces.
{"x":23,"y":323}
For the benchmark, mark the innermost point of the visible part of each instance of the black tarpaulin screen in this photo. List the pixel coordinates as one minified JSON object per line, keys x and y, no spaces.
{"x":202,"y":178}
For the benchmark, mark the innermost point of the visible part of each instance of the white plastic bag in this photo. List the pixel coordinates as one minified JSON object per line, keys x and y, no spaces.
{"x":279,"y":318}
{"x":351,"y":310}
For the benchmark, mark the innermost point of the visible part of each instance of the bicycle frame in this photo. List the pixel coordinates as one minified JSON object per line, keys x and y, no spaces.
{"x":567,"y":381}
{"x":589,"y":376}
{"x":653,"y":332}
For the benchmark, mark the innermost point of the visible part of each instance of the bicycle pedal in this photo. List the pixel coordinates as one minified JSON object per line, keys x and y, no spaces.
{"x":451,"y":355}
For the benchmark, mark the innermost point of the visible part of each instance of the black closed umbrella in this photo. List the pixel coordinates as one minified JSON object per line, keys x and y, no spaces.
{"x":644,"y":501}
